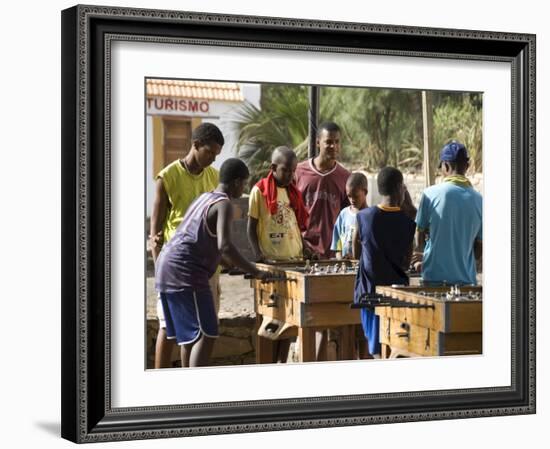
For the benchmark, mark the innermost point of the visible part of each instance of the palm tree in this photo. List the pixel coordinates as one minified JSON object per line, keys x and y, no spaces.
{"x":282,"y":120}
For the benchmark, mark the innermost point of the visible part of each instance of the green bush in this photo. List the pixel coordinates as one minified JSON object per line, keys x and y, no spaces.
{"x":380,"y":127}
{"x":460,"y":119}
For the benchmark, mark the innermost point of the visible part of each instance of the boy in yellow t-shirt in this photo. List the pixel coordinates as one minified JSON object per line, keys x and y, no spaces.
{"x":276,"y":217}
{"x":177,"y":186}
{"x":182,"y":187}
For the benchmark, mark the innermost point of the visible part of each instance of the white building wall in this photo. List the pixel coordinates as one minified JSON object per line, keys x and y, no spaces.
{"x":222,"y":114}
{"x":149,"y":175}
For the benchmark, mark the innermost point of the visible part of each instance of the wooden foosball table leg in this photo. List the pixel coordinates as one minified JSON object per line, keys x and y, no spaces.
{"x":396,"y":353}
{"x":265,"y":348}
{"x":306,"y":337}
{"x":347,"y":343}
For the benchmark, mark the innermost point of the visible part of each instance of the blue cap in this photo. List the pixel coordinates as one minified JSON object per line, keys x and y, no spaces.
{"x":452,"y":151}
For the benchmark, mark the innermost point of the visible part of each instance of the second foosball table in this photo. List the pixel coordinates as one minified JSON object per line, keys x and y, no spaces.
{"x":429,"y":321}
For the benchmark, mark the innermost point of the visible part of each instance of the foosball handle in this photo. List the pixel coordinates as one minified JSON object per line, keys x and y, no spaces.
{"x":248,"y":276}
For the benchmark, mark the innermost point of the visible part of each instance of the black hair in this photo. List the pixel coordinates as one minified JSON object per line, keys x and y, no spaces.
{"x":282,"y":154}
{"x":389,"y":179}
{"x":358,"y":180}
{"x":208,"y":133}
{"x":233,"y":169}
{"x":331,"y":127}
{"x":460,"y":165}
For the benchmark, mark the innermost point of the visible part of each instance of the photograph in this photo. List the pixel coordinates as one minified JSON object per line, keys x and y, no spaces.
{"x":276,"y":223}
{"x":292,"y":223}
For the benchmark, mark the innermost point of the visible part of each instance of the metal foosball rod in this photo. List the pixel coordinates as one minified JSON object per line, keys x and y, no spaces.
{"x":275,"y":278}
{"x":373,"y":300}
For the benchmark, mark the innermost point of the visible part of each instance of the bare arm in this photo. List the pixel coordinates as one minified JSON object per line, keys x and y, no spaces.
{"x":417,"y":257}
{"x":161,"y":205}
{"x":408,"y":257}
{"x":224,"y":211}
{"x":356,"y":247}
{"x":308,"y":251}
{"x":408,"y":207}
{"x":421,"y":237}
{"x":478,"y":249}
{"x":226,"y":263}
{"x":252,"y":231}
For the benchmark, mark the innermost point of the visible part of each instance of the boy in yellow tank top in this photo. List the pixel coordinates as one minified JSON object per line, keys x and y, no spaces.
{"x":177,"y":186}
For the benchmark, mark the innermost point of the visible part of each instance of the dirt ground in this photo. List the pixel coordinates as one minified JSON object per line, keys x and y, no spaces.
{"x":236,"y":299}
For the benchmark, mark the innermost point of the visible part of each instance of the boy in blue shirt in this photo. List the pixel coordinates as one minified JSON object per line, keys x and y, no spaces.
{"x":449,"y":222}
{"x":383,"y":243}
{"x":357,"y":188}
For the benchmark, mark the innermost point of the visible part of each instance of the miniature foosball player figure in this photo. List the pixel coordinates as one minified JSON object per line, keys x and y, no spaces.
{"x":383,"y":243}
{"x":449,"y":222}
{"x":276,"y":218}
{"x":191,"y":257}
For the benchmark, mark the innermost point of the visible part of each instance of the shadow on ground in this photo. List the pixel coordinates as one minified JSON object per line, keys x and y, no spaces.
{"x":53,"y":428}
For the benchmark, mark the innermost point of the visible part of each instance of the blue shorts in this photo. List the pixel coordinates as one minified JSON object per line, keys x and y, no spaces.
{"x":371,"y":328}
{"x":188,"y":314}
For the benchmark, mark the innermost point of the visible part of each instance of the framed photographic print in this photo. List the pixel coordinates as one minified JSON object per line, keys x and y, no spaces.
{"x":140,"y":90}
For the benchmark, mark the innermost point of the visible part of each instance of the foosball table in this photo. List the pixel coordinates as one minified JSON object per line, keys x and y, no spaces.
{"x":429,"y":321}
{"x":300,"y":298}
{"x":305,"y":297}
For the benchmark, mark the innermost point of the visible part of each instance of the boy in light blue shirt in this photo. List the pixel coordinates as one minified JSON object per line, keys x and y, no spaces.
{"x":357,"y":188}
{"x":449,"y":223}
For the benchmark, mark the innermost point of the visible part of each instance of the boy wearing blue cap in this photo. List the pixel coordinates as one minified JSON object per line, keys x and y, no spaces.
{"x":449,"y":222}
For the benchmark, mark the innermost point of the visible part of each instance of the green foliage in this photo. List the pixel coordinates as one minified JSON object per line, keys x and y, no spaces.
{"x":282,"y":120}
{"x":380,"y":127}
{"x":459,"y":117}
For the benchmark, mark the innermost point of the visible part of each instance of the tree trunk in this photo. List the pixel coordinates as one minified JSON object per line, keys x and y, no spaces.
{"x":427,"y":119}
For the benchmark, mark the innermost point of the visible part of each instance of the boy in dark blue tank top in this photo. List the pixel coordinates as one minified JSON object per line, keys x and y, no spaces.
{"x":189,"y":260}
{"x":383,"y":243}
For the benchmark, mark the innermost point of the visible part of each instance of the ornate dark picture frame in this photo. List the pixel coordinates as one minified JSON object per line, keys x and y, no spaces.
{"x":87,"y":33}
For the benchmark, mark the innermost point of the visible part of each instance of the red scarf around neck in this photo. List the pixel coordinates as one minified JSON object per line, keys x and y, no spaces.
{"x":268,"y":189}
